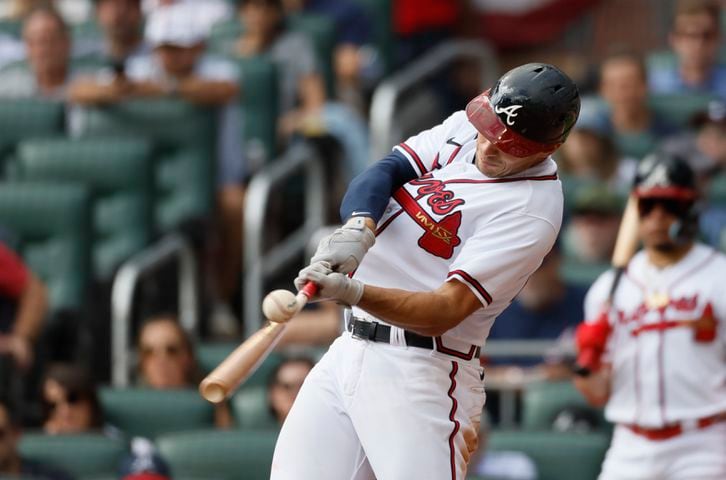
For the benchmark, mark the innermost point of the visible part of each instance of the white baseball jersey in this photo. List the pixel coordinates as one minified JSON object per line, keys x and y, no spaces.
{"x":668,"y":346}
{"x":454,"y":222}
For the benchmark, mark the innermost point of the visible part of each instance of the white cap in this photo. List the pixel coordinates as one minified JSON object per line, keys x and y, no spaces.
{"x":175,"y":25}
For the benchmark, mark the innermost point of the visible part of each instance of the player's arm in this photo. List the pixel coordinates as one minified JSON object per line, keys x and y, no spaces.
{"x":595,"y":387}
{"x":427,"y":313}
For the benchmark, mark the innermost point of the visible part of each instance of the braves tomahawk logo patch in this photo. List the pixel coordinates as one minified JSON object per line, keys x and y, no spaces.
{"x":510,"y":112}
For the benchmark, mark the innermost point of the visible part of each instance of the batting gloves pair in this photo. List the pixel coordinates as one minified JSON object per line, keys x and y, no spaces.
{"x":331,"y":285}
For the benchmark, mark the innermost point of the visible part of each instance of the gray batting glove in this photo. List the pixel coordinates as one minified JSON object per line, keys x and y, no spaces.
{"x":345,"y":247}
{"x":332,"y":285}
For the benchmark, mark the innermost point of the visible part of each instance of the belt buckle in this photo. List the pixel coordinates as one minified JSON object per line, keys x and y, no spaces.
{"x":358,"y":329}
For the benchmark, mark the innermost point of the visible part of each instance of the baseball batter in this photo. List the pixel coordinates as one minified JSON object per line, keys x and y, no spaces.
{"x":451,"y":224}
{"x":662,"y":341}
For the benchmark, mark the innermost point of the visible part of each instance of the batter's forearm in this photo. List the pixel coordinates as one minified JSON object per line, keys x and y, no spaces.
{"x":595,"y":387}
{"x":426,"y":313}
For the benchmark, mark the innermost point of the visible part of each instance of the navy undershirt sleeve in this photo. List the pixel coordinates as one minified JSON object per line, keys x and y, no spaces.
{"x":368,"y":194}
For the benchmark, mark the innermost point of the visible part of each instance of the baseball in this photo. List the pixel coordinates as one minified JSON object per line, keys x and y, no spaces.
{"x":279,"y":306}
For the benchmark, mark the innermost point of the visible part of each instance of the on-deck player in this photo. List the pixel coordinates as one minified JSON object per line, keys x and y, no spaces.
{"x":462,"y":214}
{"x":662,"y":371}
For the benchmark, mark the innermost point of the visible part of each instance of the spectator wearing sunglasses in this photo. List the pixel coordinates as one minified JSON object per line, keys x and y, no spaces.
{"x":695,"y":39}
{"x":70,"y":401}
{"x":167,"y":360}
{"x":11,"y":463}
{"x":284,"y":385}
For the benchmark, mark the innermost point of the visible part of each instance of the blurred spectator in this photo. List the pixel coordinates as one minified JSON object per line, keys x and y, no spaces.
{"x":121,"y":23}
{"x":624,"y":86}
{"x":284,"y":385}
{"x":75,"y":11}
{"x":543,"y":310}
{"x":23,"y":308}
{"x":421,"y":24}
{"x":590,"y":236}
{"x":302,"y":90}
{"x":48,"y":73}
{"x":70,"y":401}
{"x":695,"y":39}
{"x":167,"y":360}
{"x":166,"y":355}
{"x":500,"y":464}
{"x":143,"y":463}
{"x":11,"y":463}
{"x":705,"y":147}
{"x":589,"y":155}
{"x":356,"y":63}
{"x":208,"y":12}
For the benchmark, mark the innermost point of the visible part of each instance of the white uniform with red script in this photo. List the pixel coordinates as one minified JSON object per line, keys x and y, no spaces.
{"x":392,"y":411}
{"x":667,"y":351}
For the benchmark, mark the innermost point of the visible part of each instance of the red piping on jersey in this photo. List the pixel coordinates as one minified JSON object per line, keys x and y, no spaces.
{"x":436,"y":163}
{"x":451,"y":158}
{"x":385,"y":224}
{"x":455,"y":353}
{"x":452,"y":417}
{"x":663,"y":325}
{"x":415,"y":157}
{"x":503,"y":180}
{"x":473,"y":282}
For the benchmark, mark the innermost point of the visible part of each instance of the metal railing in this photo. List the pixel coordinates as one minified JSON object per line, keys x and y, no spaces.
{"x":260,"y":264}
{"x":174,"y":246}
{"x":384,"y":129}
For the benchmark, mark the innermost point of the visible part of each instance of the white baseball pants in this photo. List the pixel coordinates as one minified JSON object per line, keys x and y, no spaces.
{"x":376,"y":411}
{"x":693,"y":455}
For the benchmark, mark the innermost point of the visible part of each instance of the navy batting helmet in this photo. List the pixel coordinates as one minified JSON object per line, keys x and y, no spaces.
{"x":530,"y":110}
{"x":667,"y":179}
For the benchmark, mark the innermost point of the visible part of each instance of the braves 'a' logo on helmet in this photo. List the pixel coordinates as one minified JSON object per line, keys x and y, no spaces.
{"x":510,"y":112}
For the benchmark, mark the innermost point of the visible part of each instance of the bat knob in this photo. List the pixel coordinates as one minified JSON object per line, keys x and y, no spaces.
{"x":212,"y":391}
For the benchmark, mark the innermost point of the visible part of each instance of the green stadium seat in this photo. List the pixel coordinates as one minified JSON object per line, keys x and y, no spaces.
{"x":52,"y":222}
{"x":13,"y":28}
{"x":679,"y":109}
{"x":717,"y":190}
{"x":209,"y":355}
{"x":381,"y":13}
{"x":543,"y":400}
{"x":82,"y":456}
{"x":118,"y":173}
{"x":184,"y":139}
{"x":250,"y":409}
{"x":321,"y":32}
{"x":150,"y":413}
{"x":27,"y":118}
{"x":229,"y":455}
{"x":558,"y":456}
{"x":259,"y":104}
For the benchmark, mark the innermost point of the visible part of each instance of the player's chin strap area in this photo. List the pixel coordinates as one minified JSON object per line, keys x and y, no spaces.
{"x":363,"y":329}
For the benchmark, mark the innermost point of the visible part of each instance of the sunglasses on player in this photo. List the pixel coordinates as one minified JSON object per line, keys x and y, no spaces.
{"x":673,"y":206}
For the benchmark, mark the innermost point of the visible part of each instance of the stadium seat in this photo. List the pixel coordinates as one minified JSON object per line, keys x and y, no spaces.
{"x":118,"y":173}
{"x":259,"y":104}
{"x":150,"y":413}
{"x":229,"y":455}
{"x":543,"y":400}
{"x":182,"y":136}
{"x":12,"y":28}
{"x":321,"y":32}
{"x":27,"y":118}
{"x":381,"y":13}
{"x":717,"y":191}
{"x":83,"y":456}
{"x":52,"y":222}
{"x":679,"y":109}
{"x":558,"y":456}
{"x":209,"y":355}
{"x":250,"y":409}
{"x":579,"y":273}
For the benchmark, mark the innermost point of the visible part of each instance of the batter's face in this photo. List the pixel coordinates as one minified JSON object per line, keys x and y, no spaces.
{"x":494,"y":163}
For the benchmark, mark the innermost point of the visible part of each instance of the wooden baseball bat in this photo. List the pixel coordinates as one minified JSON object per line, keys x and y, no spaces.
{"x":626,"y":245}
{"x":248,"y":356}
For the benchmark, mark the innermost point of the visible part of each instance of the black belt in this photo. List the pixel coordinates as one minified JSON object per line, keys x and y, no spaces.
{"x":377,"y":332}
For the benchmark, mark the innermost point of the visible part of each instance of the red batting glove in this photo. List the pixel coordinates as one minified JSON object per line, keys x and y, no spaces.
{"x":591,"y":339}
